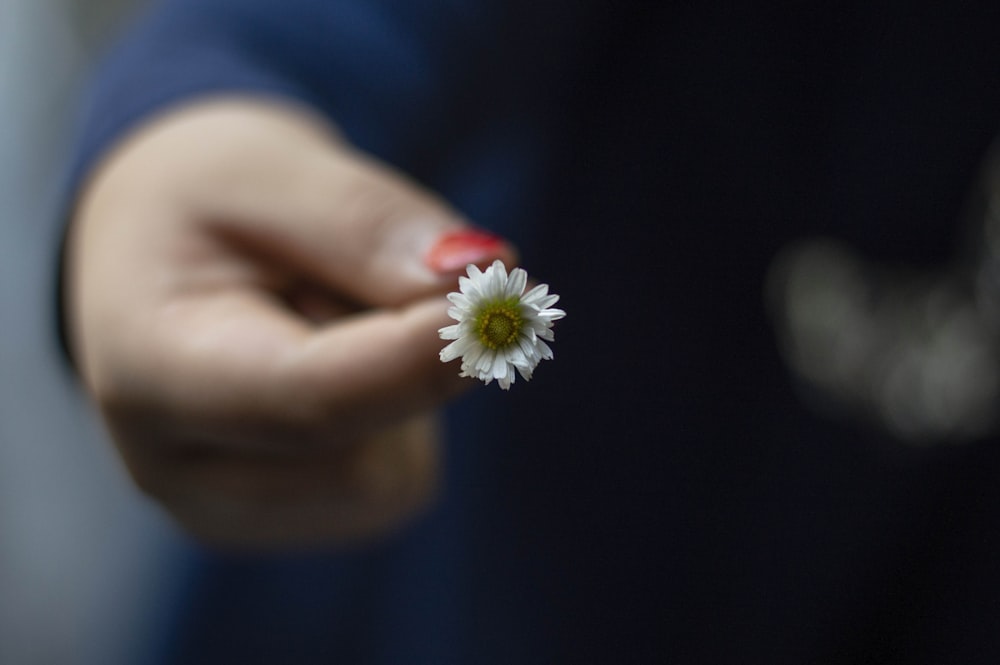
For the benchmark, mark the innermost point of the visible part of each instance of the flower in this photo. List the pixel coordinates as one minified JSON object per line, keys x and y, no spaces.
{"x":500,"y":328}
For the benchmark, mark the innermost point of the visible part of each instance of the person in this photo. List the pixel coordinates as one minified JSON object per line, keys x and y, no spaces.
{"x":270,"y":201}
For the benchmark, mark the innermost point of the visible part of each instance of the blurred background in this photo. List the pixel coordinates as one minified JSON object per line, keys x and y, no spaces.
{"x":87,"y":566}
{"x":84,"y":560}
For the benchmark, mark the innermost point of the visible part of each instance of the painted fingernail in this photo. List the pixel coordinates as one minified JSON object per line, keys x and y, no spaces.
{"x":453,"y":251}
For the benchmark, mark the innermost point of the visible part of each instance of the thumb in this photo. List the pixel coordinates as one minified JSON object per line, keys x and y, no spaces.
{"x":350,"y":223}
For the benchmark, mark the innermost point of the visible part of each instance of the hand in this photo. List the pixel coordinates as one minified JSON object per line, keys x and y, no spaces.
{"x":251,"y":308}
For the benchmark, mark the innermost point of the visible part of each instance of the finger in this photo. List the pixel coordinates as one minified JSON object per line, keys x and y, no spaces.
{"x":239,"y":368}
{"x":288,"y":188}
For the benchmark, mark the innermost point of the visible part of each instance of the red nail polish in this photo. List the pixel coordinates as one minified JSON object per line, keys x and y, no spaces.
{"x":453,"y":251}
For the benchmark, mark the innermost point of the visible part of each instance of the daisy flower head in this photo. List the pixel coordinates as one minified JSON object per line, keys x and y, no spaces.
{"x":500,"y":327}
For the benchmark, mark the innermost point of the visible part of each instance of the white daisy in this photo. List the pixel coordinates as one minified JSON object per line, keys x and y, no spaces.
{"x":500,"y":328}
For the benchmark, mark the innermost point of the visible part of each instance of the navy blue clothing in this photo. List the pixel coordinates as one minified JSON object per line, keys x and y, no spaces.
{"x":657,"y":493}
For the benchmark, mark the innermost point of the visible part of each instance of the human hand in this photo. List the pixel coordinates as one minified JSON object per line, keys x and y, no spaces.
{"x":251,"y":307}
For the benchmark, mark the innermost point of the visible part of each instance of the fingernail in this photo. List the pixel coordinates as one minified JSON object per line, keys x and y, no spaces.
{"x":453,"y":251}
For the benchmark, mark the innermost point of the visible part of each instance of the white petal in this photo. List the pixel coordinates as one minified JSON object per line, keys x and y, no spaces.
{"x":449,"y":352}
{"x":516,"y":283}
{"x":517,"y":357}
{"x":456,"y":349}
{"x":547,"y":301}
{"x":530,"y":351}
{"x":535,"y":294}
{"x":525,"y":372}
{"x":507,"y":379}
{"x":484,"y":364}
{"x":497,"y":283}
{"x":551,"y":314}
{"x":500,"y":366}
{"x":450,"y":332}
{"x":473,"y":356}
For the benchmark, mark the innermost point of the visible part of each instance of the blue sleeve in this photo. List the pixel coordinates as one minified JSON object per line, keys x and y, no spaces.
{"x":365,"y":63}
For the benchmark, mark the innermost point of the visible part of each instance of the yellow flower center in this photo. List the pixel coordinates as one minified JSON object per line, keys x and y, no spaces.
{"x":499,"y":324}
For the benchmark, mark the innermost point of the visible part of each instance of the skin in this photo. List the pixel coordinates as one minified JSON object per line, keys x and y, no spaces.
{"x":250,"y":310}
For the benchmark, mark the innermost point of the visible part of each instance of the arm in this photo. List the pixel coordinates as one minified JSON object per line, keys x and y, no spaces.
{"x":251,"y":309}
